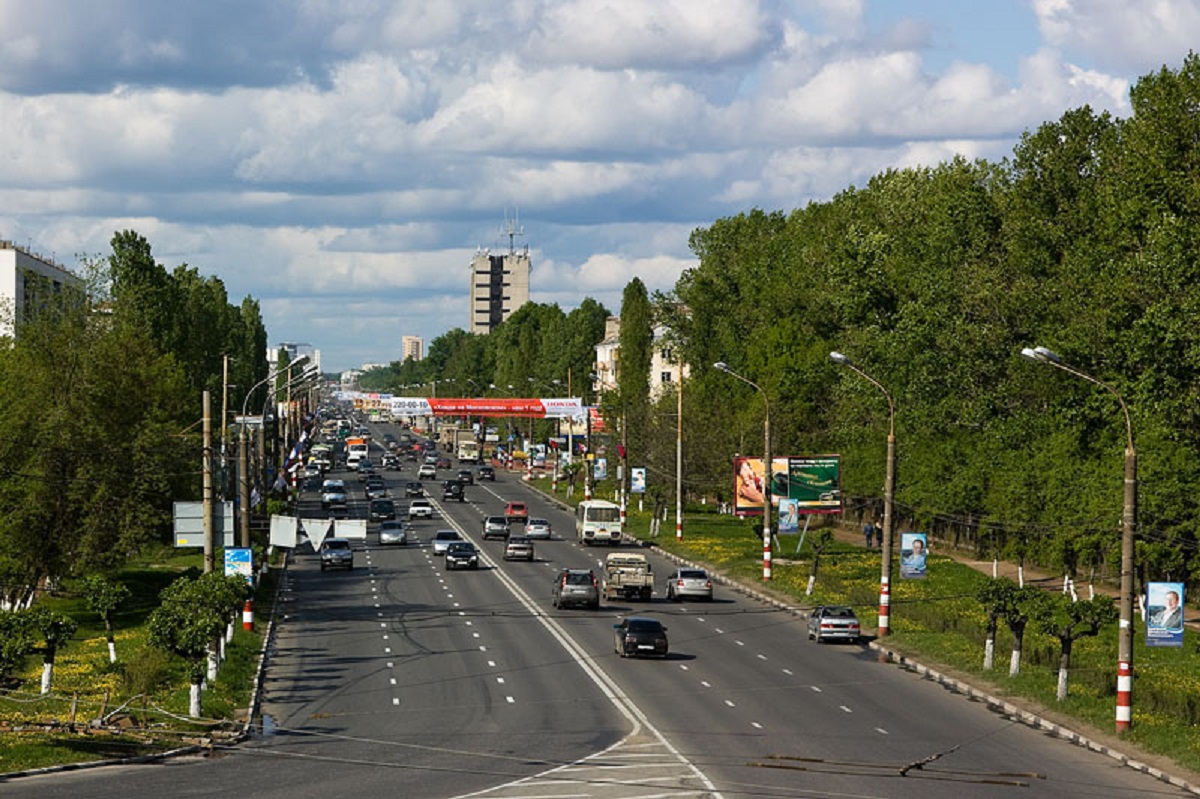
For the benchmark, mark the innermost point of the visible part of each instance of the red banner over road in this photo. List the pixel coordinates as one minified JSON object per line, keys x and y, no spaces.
{"x":547,"y":408}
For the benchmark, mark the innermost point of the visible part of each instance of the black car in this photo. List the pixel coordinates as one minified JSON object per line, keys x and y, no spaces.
{"x":466,"y":477}
{"x":382,"y":510}
{"x":461,"y":555}
{"x":487,"y":473}
{"x":413,"y":488}
{"x":638,"y":635}
{"x":453,"y":490}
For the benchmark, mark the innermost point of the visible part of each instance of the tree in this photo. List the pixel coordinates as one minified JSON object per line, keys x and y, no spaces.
{"x":192,"y":615}
{"x":55,"y":630}
{"x":103,"y":598}
{"x":16,"y":641}
{"x":1015,"y":605}
{"x":1068,"y":622}
{"x":819,"y":542}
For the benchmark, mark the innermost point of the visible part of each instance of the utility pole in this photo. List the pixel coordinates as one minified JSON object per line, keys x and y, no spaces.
{"x":244,"y":488}
{"x":207,"y":508}
{"x":679,"y":453}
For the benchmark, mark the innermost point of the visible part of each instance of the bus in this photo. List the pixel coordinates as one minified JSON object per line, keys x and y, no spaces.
{"x":598,"y":522}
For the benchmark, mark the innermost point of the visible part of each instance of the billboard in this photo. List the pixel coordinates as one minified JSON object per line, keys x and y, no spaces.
{"x":1164,"y":614}
{"x":815,"y":482}
{"x":637,"y":480}
{"x":914,"y":548}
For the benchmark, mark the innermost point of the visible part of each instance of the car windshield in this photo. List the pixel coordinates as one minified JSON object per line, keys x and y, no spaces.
{"x":337,"y":544}
{"x":462,"y":546}
{"x":644,"y":626}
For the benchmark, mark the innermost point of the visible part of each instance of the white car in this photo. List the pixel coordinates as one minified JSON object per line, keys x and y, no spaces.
{"x":537,"y":528}
{"x":420,"y":509}
{"x":443,"y":539}
{"x":333,"y":492}
{"x":427,"y":472}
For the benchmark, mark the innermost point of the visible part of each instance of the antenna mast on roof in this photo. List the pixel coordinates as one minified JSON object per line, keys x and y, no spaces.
{"x":513,"y":228}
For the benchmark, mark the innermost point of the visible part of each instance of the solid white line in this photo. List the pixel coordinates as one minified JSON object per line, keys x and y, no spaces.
{"x":881,"y":731}
{"x":762,"y":657}
{"x":756,"y":725}
{"x":788,"y":672}
{"x":846,"y":709}
{"x":730,"y":703}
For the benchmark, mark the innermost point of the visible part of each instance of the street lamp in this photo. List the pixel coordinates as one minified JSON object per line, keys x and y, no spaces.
{"x":889,"y":494}
{"x":243,"y":472}
{"x":724,"y":367}
{"x":1128,"y":519}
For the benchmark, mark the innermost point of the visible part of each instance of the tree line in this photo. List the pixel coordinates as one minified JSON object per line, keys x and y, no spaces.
{"x":1085,"y":240}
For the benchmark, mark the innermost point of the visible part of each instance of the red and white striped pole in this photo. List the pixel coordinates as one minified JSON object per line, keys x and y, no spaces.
{"x":885,"y":601}
{"x":248,"y":615}
{"x":1124,"y":695}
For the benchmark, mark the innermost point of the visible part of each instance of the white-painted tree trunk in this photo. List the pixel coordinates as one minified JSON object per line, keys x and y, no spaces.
{"x":1061,"y":693}
{"x":1021,"y":575}
{"x":1074,"y":593}
{"x":228,"y":637}
{"x":47,"y":677}
{"x":812,"y":578}
{"x":194,"y":701}
{"x":1066,"y":584}
{"x":1014,"y":663}
{"x":989,"y":652}
{"x":995,"y":568}
{"x":112,"y":652}
{"x":212,"y":663}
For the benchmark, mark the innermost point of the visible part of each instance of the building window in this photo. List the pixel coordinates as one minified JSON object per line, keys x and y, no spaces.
{"x":665,"y":377}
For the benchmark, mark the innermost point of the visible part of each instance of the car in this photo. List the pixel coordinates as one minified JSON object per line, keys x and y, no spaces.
{"x":576,"y":587}
{"x":393,"y":533}
{"x":442,"y":540}
{"x":391,"y":462}
{"x":420,"y":509}
{"x":366,"y":472}
{"x":382,"y":510}
{"x":427,"y":472}
{"x":690,"y":584}
{"x":363,"y":466}
{"x":461,"y":555}
{"x":834,"y":623}
{"x":376,"y":490}
{"x":495,"y":526}
{"x":486,"y":473}
{"x":519,"y":547}
{"x":431,"y":459}
{"x":453,"y":490}
{"x":466,"y":477}
{"x":414,"y":489}
{"x":638,"y":635}
{"x":537,"y":528}
{"x":336,"y":554}
{"x":443,"y":463}
{"x":333,"y":493}
{"x":516,"y":512}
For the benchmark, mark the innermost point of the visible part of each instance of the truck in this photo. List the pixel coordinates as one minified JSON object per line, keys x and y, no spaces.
{"x":628,"y":575}
{"x":356,"y":450}
{"x":467,"y":447}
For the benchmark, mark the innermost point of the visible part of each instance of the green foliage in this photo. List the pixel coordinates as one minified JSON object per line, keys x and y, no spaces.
{"x":16,"y":641}
{"x":193,"y":612}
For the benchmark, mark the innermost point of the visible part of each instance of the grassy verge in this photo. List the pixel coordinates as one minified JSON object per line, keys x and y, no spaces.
{"x":939,"y":622}
{"x":146,"y":688}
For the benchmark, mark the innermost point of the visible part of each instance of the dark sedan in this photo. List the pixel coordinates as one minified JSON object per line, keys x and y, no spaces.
{"x":638,"y":636}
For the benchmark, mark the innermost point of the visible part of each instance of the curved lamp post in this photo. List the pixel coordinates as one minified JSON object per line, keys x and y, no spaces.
{"x":724,"y":367}
{"x":1128,"y":520}
{"x":889,"y":496}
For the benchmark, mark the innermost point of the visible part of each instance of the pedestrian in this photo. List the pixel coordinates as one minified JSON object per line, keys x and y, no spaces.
{"x":868,"y":533}
{"x":879,"y":536}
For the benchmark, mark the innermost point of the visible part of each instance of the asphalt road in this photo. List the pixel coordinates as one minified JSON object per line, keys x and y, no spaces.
{"x":399,"y":678}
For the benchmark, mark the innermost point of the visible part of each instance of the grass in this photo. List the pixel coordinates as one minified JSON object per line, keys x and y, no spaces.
{"x":147,"y":686}
{"x":939,"y":622}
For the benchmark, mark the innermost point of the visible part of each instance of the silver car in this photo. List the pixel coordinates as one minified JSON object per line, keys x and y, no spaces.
{"x":336,"y":553}
{"x":833,"y":623}
{"x":442,"y":540}
{"x":427,"y":472}
{"x":519,"y":547}
{"x":537,"y":528}
{"x":393,"y":533}
{"x":689,"y":584}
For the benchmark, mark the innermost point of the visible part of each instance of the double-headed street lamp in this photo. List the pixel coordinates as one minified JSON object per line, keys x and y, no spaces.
{"x":1128,"y":520}
{"x":889,"y":492}
{"x":724,"y":367}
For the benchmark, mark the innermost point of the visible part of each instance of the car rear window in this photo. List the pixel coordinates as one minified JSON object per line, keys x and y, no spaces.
{"x":692,"y":574}
{"x":337,"y":544}
{"x":579,"y":579}
{"x":840,"y":613}
{"x":644,"y":626}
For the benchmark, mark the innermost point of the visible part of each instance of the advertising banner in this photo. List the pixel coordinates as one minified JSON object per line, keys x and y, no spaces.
{"x":637,"y":480}
{"x":1164,"y":614}
{"x":240,"y":562}
{"x":914,"y":547}
{"x":565,"y":408}
{"x":789,"y":515}
{"x":814,"y":482}
{"x":600,"y":469}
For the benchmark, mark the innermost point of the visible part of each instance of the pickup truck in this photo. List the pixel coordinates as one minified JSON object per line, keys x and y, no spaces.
{"x":628,"y":576}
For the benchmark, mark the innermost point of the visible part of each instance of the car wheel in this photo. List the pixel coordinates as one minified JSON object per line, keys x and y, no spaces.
{"x":595,"y":605}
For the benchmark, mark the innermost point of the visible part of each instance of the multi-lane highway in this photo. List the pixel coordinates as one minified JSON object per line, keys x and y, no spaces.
{"x":399,"y":678}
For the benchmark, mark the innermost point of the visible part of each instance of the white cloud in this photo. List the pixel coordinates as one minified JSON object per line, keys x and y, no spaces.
{"x":1119,"y":35}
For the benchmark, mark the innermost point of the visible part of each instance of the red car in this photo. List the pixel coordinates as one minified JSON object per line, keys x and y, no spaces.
{"x":516,"y":512}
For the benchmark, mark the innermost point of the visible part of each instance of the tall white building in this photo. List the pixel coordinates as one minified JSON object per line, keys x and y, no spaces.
{"x":499,"y":286}
{"x":294,"y":351}
{"x":26,"y":280}
{"x":412,"y":347}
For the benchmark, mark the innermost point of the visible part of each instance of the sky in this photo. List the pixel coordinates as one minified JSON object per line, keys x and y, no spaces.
{"x":341,"y":161}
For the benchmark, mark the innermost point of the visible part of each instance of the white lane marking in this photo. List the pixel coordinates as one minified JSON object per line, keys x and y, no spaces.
{"x":699,"y":618}
{"x":474,"y":635}
{"x":500,"y":680}
{"x":881,"y":731}
{"x":730,"y":703}
{"x":510,"y":700}
{"x":815,"y":688}
{"x":788,"y":672}
{"x":756,"y":725}
{"x":387,"y":650}
{"x":705,"y":683}
{"x":845,"y":709}
{"x":391,"y":665}
{"x":492,"y":663}
{"x":719,"y":631}
{"x":391,"y":680}
{"x":483,"y":649}
{"x":468,"y":623}
{"x":385,"y":637}
{"x":739,"y":643}
{"x":383,"y":624}
{"x":682,"y":666}
{"x":395,"y":700}
{"x":761,"y":657}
